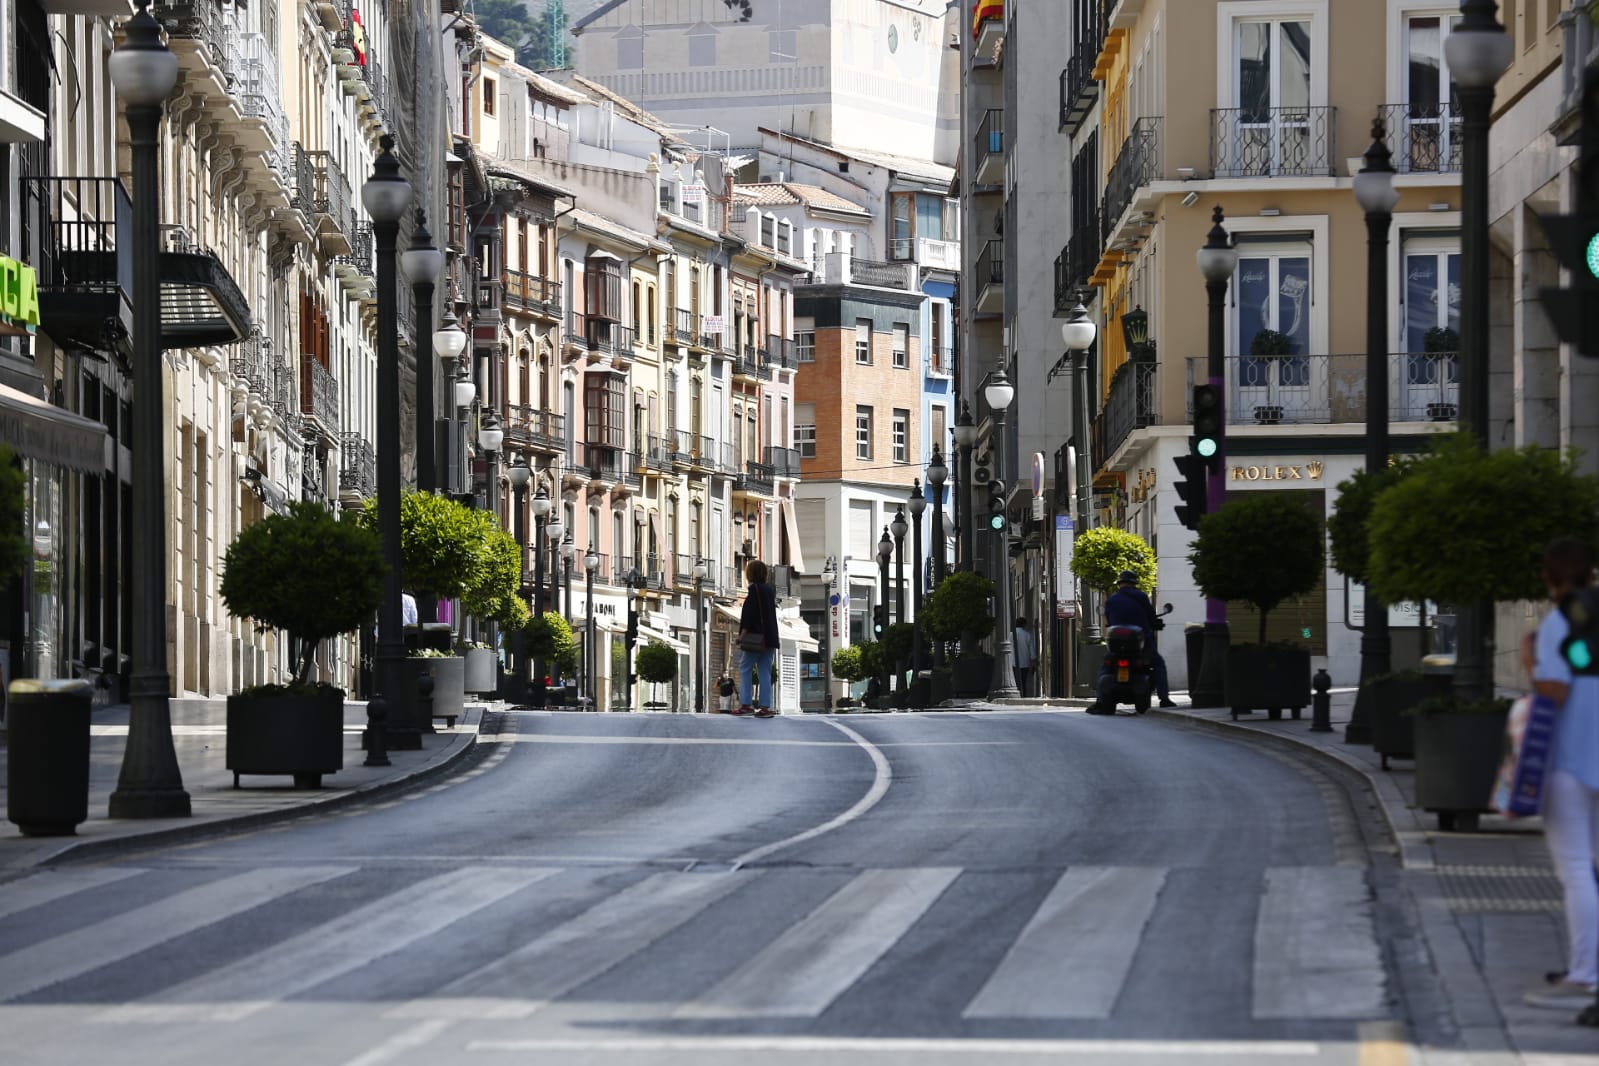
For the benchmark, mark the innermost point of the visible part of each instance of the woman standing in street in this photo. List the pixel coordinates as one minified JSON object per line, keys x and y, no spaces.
{"x":758,"y":639}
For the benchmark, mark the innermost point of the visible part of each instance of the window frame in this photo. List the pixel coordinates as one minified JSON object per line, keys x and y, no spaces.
{"x":863,"y":355}
{"x":863,"y":431}
{"x":900,"y":424}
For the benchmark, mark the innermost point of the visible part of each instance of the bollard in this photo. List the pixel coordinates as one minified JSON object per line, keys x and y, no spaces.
{"x":47,"y":768}
{"x":377,"y":737}
{"x":1321,"y":703}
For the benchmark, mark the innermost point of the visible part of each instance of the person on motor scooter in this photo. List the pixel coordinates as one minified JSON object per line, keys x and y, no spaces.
{"x":1130,"y":607}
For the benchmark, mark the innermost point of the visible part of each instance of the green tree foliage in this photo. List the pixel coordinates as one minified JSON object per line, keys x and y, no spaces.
{"x":897,"y":641}
{"x":13,"y":525}
{"x":874,"y":658}
{"x":441,"y":543}
{"x":657,"y":663}
{"x":1102,"y":553}
{"x":1261,"y":547}
{"x":306,"y":573}
{"x":495,"y":591}
{"x":515,"y":23}
{"x":959,"y":610}
{"x":549,"y":637}
{"x":849,"y":664}
{"x":1496,"y":510}
{"x":1349,"y":528}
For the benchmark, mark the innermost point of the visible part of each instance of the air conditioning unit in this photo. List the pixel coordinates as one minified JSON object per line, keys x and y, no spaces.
{"x":982,"y":475}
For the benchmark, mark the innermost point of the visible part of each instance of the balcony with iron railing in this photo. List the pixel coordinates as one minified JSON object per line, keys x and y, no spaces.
{"x":358,"y":467}
{"x":991,"y":278}
{"x":1273,"y":142}
{"x":757,"y":479}
{"x":883,"y":275}
{"x":1077,"y":262}
{"x":1133,"y":404}
{"x":784,"y":462}
{"x":940,"y":361}
{"x":747,"y":363}
{"x":598,"y":462}
{"x":633,"y":469}
{"x":355,"y":268}
{"x":1079,"y":90}
{"x":529,"y":292}
{"x":534,"y":427}
{"x":1425,"y":137}
{"x":988,"y":148}
{"x":302,"y":185}
{"x":199,"y":28}
{"x":782,"y":352}
{"x":1331,"y":389}
{"x":78,"y":232}
{"x":331,"y":203}
{"x":254,"y":70}
{"x":681,"y":331}
{"x":1137,"y":165}
{"x":658,"y":453}
{"x":319,"y":395}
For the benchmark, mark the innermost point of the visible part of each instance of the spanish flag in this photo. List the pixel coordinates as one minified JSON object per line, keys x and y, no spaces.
{"x":357,"y":37}
{"x":984,"y":10}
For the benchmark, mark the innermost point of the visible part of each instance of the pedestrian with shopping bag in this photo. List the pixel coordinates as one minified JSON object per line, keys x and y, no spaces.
{"x":1570,"y":794}
{"x":757,"y":641}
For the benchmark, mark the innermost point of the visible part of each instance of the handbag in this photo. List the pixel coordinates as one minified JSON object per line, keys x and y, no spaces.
{"x":1529,"y":741}
{"x":752,"y":640}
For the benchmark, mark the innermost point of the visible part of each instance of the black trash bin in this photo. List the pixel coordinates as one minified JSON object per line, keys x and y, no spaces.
{"x":47,"y":764}
{"x":1194,"y":647}
{"x":437,"y":636}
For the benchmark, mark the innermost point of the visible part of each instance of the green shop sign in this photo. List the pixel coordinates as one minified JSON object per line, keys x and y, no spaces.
{"x":19,"y":298}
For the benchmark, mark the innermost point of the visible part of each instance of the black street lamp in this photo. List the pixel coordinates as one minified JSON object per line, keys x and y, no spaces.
{"x":150,"y":785}
{"x":634,"y":582}
{"x":591,"y":563}
{"x":1217,"y":261}
{"x":999,"y":393}
{"x":465,"y":394}
{"x":489,"y":438}
{"x":885,"y":552}
{"x":553,"y":530}
{"x":937,"y":474}
{"x":917,"y":502}
{"x":1375,"y":192}
{"x":449,"y":342}
{"x":829,"y":579}
{"x":421,"y":264}
{"x":900,"y":528}
{"x":1079,"y":333}
{"x":700,"y":636}
{"x":541,"y":510}
{"x":965,"y":433}
{"x":519,"y":475}
{"x":568,"y":550}
{"x":385,"y":196}
{"x":1478,"y":52}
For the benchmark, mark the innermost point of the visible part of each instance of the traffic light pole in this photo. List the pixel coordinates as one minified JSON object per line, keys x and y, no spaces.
{"x":1210,"y":689}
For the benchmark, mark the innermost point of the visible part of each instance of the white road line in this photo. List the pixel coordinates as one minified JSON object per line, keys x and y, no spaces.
{"x":51,"y":885}
{"x":399,"y":1043}
{"x":141,"y":928}
{"x":883,"y":777}
{"x":568,"y":738}
{"x":820,"y":956}
{"x":1316,"y":953}
{"x":1074,"y":955}
{"x":546,"y":968}
{"x":814,"y":1045}
{"x":348,"y":942}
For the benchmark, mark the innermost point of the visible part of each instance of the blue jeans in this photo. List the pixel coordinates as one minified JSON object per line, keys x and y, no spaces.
{"x":760,"y":663}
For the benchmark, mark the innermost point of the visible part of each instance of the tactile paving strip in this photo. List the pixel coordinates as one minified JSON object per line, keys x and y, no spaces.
{"x":1500,"y":888}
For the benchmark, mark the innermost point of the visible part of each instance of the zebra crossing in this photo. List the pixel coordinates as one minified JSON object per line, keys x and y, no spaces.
{"x":541,"y":933}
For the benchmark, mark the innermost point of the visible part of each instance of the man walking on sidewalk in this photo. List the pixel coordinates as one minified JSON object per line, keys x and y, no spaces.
{"x":1025,"y":653}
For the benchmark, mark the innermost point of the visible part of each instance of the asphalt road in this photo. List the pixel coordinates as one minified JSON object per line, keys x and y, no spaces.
{"x":940,"y":888}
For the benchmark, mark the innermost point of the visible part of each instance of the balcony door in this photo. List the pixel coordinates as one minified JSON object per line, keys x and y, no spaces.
{"x":1275,"y":381}
{"x":1272,"y":83}
{"x":1430,"y":140}
{"x":1429,"y":385}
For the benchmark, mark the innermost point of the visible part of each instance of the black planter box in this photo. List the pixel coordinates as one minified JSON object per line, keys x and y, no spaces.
{"x":47,"y":768}
{"x":298,"y":735}
{"x":1268,"y":679}
{"x":1393,"y":728}
{"x":1457,"y":759}
{"x":970,"y":676}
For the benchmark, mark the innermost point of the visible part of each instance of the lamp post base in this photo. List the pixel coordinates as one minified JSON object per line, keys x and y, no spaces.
{"x":1210,"y":690}
{"x":149,"y":803}
{"x":151,"y":784}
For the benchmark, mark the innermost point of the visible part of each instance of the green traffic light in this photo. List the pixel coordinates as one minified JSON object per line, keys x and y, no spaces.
{"x":1579,"y":655}
{"x":1206,"y":446}
{"x":1593,"y":255}
{"x":996,"y":521}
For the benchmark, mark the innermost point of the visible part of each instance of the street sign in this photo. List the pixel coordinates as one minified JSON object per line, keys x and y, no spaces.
{"x":1065,"y":584}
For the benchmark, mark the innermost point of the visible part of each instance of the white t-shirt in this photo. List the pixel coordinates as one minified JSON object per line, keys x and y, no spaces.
{"x":407,"y":609}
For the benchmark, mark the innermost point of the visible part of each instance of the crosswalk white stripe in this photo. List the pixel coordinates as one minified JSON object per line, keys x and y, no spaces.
{"x":577,"y":951}
{"x":816,"y":959}
{"x":140,"y":928}
{"x":908,"y":1048}
{"x":1316,"y":952}
{"x":346,"y":943}
{"x":1074,"y":955}
{"x":51,"y":885}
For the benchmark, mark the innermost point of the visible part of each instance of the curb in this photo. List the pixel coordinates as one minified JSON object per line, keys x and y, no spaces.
{"x":446,"y":759}
{"x":1404,"y":828}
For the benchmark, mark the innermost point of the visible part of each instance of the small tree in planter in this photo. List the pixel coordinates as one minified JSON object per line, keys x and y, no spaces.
{"x":1263,"y":548}
{"x":494,"y":594}
{"x":549,"y":637}
{"x":959,"y":609}
{"x":313,"y":576}
{"x":849,"y":664}
{"x":1101,"y":554}
{"x":1512,"y":502}
{"x":657,"y":663}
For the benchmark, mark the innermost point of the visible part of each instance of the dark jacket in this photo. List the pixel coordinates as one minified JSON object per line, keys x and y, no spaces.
{"x":1130,"y":607}
{"x":760,"y":613}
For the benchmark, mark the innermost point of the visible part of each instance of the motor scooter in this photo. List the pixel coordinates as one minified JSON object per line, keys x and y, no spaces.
{"x":1128,"y":673}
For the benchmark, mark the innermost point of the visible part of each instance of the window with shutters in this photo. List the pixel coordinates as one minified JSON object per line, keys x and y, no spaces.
{"x":863,"y":341}
{"x":805,"y":429}
{"x":863,"y":432}
{"x":902,"y":435}
{"x":602,"y":287}
{"x":902,"y":345}
{"x":605,"y":405}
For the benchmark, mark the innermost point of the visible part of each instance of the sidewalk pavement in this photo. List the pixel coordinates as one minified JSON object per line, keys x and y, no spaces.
{"x":199,"y":738}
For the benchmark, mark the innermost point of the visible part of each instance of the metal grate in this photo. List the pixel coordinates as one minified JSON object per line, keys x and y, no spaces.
{"x":1500,"y":888}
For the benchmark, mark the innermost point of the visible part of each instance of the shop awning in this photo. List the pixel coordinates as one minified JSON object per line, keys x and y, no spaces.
{"x":797,"y":631}
{"x":39,"y":430}
{"x":647,"y":634}
{"x":796,"y":558}
{"x":729,"y":613}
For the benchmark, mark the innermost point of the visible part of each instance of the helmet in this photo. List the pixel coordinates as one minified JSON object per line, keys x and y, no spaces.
{"x":1127,"y":577}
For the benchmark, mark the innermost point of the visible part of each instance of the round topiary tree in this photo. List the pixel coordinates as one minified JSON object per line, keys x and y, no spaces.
{"x":13,"y":502}
{"x":1505,"y":507}
{"x":307,"y":573}
{"x":1260,"y":547}
{"x":897,"y":641}
{"x":1348,"y":530}
{"x":549,"y":637}
{"x":959,"y":610}
{"x":494,"y":592}
{"x":849,"y":664}
{"x":1099,"y":556}
{"x":441,"y":543}
{"x":657,"y":663}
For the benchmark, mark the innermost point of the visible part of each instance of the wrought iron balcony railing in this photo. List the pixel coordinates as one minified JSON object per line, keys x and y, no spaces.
{"x":784,"y":462}
{"x":1078,"y":90}
{"x":1273,"y":142}
{"x":358,"y":466}
{"x":361,"y":247}
{"x":758,"y":477}
{"x":1137,"y":164}
{"x":252,"y":363}
{"x":302,"y":186}
{"x":1331,"y":389}
{"x":883,"y":275}
{"x":991,"y":264}
{"x":658,"y":452}
{"x":1425,"y":137}
{"x":989,"y":144}
{"x":529,"y":292}
{"x":536,"y":427}
{"x":204,"y":21}
{"x":682,"y":331}
{"x":782,"y":353}
{"x":1133,"y":404}
{"x":331,"y":192}
{"x":319,"y":393}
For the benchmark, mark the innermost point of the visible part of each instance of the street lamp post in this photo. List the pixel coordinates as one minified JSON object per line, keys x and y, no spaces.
{"x":490,"y":437}
{"x":386,"y":195}
{"x":900,"y":528}
{"x":1375,"y":192}
{"x":591,"y":563}
{"x":999,"y":393}
{"x":635,"y":583}
{"x":965,"y":432}
{"x":449,"y":341}
{"x":421,"y":264}
{"x":568,"y":550}
{"x":829,"y":577}
{"x":699,"y":634}
{"x":1217,"y":261}
{"x":1478,"y":51}
{"x":150,"y":785}
{"x":937,"y":474}
{"x":885,"y":552}
{"x":917,"y":502}
{"x":520,"y":474}
{"x":1079,"y":333}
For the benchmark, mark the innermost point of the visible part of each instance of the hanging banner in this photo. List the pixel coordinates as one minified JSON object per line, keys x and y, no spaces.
{"x":1065,"y":584}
